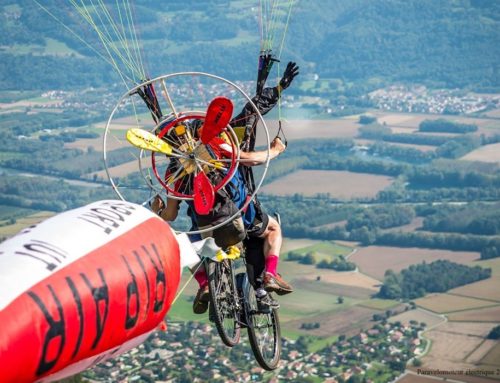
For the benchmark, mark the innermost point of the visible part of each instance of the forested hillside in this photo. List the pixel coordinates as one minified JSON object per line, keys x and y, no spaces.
{"x":361,"y":42}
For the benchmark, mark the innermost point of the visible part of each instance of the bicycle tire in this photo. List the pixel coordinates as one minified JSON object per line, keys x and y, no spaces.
{"x":264,"y":332}
{"x":224,"y":301}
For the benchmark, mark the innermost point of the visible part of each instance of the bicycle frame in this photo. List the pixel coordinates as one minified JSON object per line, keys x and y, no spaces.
{"x":233,"y":306}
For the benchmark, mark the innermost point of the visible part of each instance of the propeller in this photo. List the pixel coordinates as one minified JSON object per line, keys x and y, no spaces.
{"x":204,"y":194}
{"x":218,"y":115}
{"x":143,"y":139}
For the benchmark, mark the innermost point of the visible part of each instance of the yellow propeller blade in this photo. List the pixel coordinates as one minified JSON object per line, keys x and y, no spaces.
{"x":143,"y":139}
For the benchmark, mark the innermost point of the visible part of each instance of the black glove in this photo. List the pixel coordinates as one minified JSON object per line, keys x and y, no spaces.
{"x":292,"y":70}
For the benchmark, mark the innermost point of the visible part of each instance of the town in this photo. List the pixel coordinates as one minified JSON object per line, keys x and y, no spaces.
{"x":193,"y":352}
{"x":420,"y":99}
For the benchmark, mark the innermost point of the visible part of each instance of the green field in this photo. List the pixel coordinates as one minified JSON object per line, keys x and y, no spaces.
{"x":51,"y":47}
{"x":312,"y":300}
{"x":327,"y":250}
{"x":4,"y":156}
{"x":182,"y":311}
{"x":305,"y":303}
{"x":8,"y":212}
{"x":12,"y":229}
{"x":379,"y":304}
{"x":8,"y":96}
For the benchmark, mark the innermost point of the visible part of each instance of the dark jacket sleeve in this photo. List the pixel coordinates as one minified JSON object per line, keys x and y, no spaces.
{"x":264,"y":103}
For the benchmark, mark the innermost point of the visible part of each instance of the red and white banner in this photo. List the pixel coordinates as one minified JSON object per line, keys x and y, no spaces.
{"x":83,"y":286}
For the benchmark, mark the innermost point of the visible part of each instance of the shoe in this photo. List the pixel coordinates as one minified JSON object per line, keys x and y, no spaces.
{"x":200,"y":303}
{"x":274,"y":283}
{"x":265,"y":303}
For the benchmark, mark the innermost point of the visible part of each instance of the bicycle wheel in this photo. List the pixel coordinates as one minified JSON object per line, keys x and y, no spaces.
{"x":224,"y":301}
{"x":263,"y":331}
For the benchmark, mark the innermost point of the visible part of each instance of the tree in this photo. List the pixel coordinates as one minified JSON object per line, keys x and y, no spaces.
{"x":438,"y":276}
{"x":416,"y":362}
{"x":366,"y":119}
{"x":494,"y":333}
{"x":308,"y":259}
{"x":340,"y":300}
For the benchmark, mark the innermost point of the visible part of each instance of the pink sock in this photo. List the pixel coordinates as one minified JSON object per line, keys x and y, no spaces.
{"x":272,"y":264}
{"x":201,"y":277}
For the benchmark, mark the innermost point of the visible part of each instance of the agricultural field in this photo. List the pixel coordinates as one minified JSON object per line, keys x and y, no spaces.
{"x":380,"y":304}
{"x":446,"y":303}
{"x":422,"y":148}
{"x":348,"y":321}
{"x":489,"y":314}
{"x":400,"y":129}
{"x":307,"y":273}
{"x":402,"y":120}
{"x":346,"y":278}
{"x":375,"y":260}
{"x":475,"y":302}
{"x":315,"y":298}
{"x":410,"y":120}
{"x":325,"y":250}
{"x":121,"y":170}
{"x":492,"y":359}
{"x":29,"y":103}
{"x":487,"y":153}
{"x":51,"y":47}
{"x":11,"y":229}
{"x":95,"y":143}
{"x":419,"y":315}
{"x":331,"y":225}
{"x":472,"y":311}
{"x":346,"y":127}
{"x":493,"y":264}
{"x":495,"y":113}
{"x":481,"y":352}
{"x":304,"y":303}
{"x":356,"y":292}
{"x":415,"y":224}
{"x":116,"y":134}
{"x":339,"y":184}
{"x":122,"y":124}
{"x":317,"y":291}
{"x":453,"y":344}
{"x":290,"y":244}
{"x":8,"y":212}
{"x":487,"y":289}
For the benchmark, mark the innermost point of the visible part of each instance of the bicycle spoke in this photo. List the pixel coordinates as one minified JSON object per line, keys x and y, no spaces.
{"x":223,"y":302}
{"x":213,"y":165}
{"x":264,"y":334}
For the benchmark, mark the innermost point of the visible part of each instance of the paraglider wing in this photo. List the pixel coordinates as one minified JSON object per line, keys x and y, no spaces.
{"x":83,"y":286}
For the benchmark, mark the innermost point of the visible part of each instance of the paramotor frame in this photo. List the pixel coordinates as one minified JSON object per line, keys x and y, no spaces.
{"x":143,"y":158}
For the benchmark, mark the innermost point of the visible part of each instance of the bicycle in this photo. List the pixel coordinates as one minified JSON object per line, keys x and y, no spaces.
{"x":233,"y":305}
